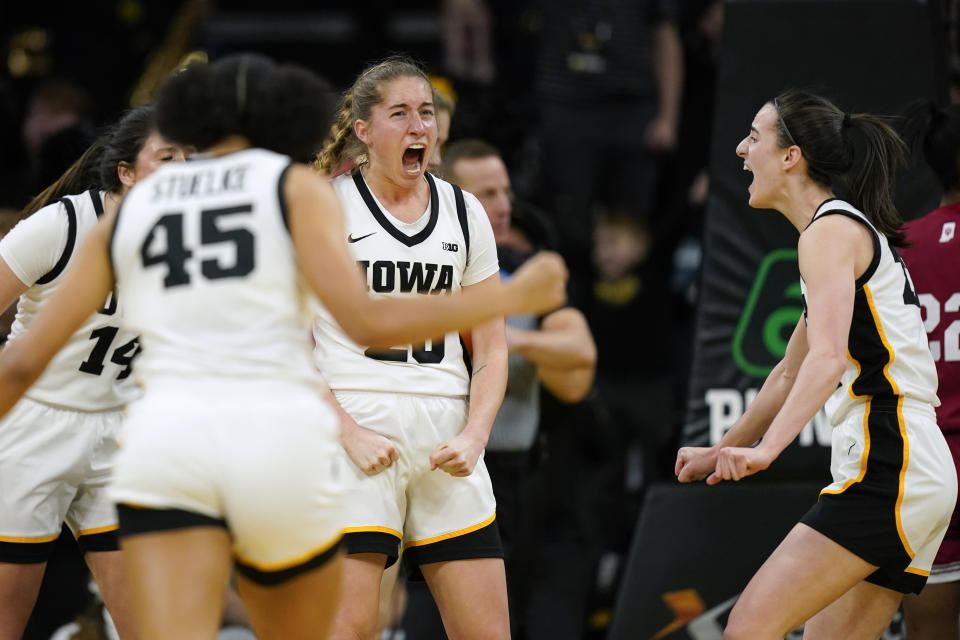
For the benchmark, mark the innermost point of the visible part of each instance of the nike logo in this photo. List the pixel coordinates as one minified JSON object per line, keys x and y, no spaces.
{"x":351,"y":239}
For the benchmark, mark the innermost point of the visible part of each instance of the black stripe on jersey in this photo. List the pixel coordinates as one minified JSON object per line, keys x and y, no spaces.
{"x":864,"y":515}
{"x":875,"y":262}
{"x":97,"y":202}
{"x":68,"y":248}
{"x":462,"y":216}
{"x":869,"y":349}
{"x":382,"y":219}
{"x":281,"y":198}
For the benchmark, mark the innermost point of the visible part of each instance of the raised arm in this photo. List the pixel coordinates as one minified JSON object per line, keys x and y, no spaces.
{"x":317,"y":228}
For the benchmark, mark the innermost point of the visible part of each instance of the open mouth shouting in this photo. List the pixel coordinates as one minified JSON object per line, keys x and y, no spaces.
{"x":413,"y":159}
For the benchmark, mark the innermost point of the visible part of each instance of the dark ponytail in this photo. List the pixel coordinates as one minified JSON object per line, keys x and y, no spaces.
{"x":856,"y":154}
{"x":123,"y":143}
{"x":935,"y":133}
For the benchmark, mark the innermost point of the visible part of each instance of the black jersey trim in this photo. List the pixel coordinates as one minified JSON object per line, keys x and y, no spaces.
{"x":61,"y":264}
{"x":272,"y":577}
{"x":281,"y":197}
{"x":97,"y":202}
{"x":139,"y":520}
{"x":864,"y":515}
{"x":101,"y":541}
{"x":462,"y":217}
{"x":870,"y":350}
{"x":875,"y":261}
{"x":378,"y":215}
{"x":26,"y":552}
{"x":820,"y":206}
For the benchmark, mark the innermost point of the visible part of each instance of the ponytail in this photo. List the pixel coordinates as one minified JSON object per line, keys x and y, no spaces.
{"x":856,"y":153}
{"x":871,"y":178}
{"x":341,"y":140}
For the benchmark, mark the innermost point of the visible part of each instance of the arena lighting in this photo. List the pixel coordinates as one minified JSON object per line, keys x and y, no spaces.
{"x":29,"y":53}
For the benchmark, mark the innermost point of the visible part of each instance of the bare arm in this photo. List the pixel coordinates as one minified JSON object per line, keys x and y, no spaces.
{"x":828,"y":258}
{"x":85,"y":287}
{"x":770,"y":399}
{"x":317,"y":228}
{"x":10,"y":289}
{"x":458,"y":456}
{"x":563,"y":351}
{"x":668,"y":72}
{"x":370,"y":451}
{"x":10,"y":285}
{"x":696,"y":463}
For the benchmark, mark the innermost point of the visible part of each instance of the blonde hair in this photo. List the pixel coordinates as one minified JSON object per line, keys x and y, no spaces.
{"x":356,"y":104}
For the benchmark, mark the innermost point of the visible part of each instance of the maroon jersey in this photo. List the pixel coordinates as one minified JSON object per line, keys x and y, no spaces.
{"x":934,"y":264}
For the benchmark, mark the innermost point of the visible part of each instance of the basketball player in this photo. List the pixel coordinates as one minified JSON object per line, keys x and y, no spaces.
{"x":874,"y":532}
{"x":934,"y":261}
{"x":415,"y":443}
{"x":229,"y":456}
{"x":57,"y":444}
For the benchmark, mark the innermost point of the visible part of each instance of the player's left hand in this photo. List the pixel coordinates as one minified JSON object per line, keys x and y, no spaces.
{"x":457,"y":456}
{"x":734,"y":463}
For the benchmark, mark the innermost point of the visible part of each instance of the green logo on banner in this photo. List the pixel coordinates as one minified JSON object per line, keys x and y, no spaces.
{"x":771,"y":312}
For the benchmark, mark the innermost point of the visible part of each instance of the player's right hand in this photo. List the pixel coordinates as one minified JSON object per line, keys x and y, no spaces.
{"x":695,"y":463}
{"x":540,"y":284}
{"x":368,"y":449}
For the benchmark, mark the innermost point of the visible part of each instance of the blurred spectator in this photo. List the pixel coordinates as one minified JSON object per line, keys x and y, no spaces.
{"x":610,"y":78}
{"x":627,"y":307}
{"x":57,"y":129}
{"x":467,"y":40}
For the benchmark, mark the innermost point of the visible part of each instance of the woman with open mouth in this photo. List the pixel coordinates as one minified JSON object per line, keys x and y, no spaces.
{"x":414,"y":443}
{"x":861,"y":349}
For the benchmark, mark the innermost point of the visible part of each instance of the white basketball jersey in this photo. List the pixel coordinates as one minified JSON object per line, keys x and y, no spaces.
{"x":430,"y":256}
{"x":92,"y":371}
{"x":887,"y":353}
{"x":202,"y":253}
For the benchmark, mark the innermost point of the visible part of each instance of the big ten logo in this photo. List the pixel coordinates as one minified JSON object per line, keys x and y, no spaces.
{"x":944,"y":338}
{"x":727,"y":405}
{"x":770,"y":313}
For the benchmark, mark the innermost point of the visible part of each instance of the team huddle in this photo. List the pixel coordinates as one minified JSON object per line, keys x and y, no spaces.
{"x":248,"y":367}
